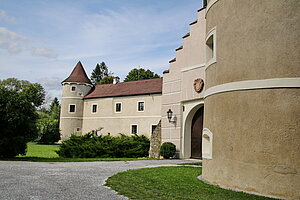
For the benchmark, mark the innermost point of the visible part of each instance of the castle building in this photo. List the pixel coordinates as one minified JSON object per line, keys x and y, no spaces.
{"x":230,"y":97}
{"x":127,"y":108}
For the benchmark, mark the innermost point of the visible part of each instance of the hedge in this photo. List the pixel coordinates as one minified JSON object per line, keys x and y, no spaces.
{"x":92,"y":146}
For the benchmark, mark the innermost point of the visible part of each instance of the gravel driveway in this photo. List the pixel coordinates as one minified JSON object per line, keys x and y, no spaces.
{"x":70,"y":180}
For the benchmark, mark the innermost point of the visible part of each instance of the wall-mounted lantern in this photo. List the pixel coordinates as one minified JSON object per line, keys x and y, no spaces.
{"x":169,"y":115}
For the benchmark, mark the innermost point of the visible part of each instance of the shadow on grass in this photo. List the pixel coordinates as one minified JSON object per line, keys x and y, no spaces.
{"x":39,"y":159}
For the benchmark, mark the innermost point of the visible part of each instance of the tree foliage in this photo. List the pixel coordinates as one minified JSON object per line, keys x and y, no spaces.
{"x":100,"y":71}
{"x":140,"y":74}
{"x":107,"y":80}
{"x":48,"y":124}
{"x":18,"y":102}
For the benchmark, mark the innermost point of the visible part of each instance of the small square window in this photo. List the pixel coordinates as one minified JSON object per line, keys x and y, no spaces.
{"x":72,"y":108}
{"x":141,"y":106}
{"x":134,"y":129}
{"x":118,"y":107}
{"x":73,"y":88}
{"x":94,"y":108}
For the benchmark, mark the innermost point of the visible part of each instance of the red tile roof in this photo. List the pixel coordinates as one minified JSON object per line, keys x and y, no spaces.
{"x":149,"y":86}
{"x":78,"y":75}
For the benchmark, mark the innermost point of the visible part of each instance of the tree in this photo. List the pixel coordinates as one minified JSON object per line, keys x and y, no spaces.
{"x":107,"y":80}
{"x":140,"y":74}
{"x":99,"y":73}
{"x":18,"y":102}
{"x":34,"y":92}
{"x":48,"y":123}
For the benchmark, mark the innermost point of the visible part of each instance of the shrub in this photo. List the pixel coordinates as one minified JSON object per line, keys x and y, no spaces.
{"x":167,"y":150}
{"x":92,"y":146}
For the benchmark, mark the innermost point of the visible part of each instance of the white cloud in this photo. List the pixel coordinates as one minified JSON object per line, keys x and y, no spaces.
{"x":15,"y":43}
{"x":6,"y":18}
{"x":11,"y":41}
{"x":44,"y":52}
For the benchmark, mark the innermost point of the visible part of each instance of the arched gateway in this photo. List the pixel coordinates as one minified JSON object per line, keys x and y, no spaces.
{"x":196,"y":134}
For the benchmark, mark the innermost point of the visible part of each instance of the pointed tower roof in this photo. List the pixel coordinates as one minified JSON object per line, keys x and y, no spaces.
{"x":78,"y":75}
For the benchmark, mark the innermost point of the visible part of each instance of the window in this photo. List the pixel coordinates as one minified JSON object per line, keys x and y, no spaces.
{"x":141,"y":106}
{"x":79,"y":94}
{"x":73,"y":88}
{"x":134,"y":129}
{"x":153,"y":127}
{"x":211,"y":47}
{"x":94,"y":108}
{"x":118,"y":107}
{"x":72,"y":108}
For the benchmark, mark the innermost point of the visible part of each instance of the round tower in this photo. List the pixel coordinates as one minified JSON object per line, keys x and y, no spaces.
{"x":74,"y":88}
{"x":251,"y":126}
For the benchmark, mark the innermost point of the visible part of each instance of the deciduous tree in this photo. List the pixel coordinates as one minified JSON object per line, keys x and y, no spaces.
{"x":140,"y":74}
{"x":18,"y":102}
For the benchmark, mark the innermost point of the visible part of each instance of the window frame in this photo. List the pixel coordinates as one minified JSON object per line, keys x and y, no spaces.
{"x":73,"y":86}
{"x":92,"y":110}
{"x":139,"y":107}
{"x":131,"y":129}
{"x":116,"y":107}
{"x":212,"y":34}
{"x":69,"y":108}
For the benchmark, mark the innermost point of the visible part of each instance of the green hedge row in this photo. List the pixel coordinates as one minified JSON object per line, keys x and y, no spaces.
{"x":92,"y":146}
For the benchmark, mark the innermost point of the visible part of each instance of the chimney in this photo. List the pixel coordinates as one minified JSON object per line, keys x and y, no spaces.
{"x":116,"y":80}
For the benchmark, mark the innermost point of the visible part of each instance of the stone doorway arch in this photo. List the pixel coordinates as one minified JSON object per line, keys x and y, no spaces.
{"x":193,"y":112}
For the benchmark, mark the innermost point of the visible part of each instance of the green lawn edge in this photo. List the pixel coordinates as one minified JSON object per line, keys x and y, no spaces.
{"x":179,"y":182}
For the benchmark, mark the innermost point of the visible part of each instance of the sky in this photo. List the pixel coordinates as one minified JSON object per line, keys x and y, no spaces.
{"x":42,"y":40}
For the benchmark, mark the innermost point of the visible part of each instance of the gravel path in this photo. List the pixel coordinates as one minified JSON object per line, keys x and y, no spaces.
{"x":77,"y":180}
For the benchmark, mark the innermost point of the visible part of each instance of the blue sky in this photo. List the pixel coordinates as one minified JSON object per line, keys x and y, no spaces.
{"x":41,"y":41}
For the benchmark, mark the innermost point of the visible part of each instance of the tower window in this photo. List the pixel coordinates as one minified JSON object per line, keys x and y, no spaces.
{"x":73,"y":88}
{"x":134,"y":129}
{"x":141,"y":106}
{"x":72,"y":108}
{"x":94,"y":108}
{"x":118,"y":107}
{"x":211,"y":47}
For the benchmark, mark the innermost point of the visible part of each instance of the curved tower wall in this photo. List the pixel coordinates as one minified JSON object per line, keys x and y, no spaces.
{"x":71,"y":122}
{"x":252,"y":96}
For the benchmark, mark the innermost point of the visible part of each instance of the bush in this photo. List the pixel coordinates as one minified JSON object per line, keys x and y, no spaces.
{"x":92,"y":146}
{"x":167,"y":150}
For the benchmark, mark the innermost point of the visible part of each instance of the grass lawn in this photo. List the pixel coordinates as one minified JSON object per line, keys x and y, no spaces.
{"x":171,"y":183}
{"x":195,"y":163}
{"x":46,"y":153}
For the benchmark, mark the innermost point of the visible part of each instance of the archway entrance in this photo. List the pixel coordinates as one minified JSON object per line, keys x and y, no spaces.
{"x":196,"y":134}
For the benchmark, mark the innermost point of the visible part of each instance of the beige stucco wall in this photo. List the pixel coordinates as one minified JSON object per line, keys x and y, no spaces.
{"x":69,"y":122}
{"x":255,"y":132}
{"x":115,"y":123}
{"x":178,"y":85}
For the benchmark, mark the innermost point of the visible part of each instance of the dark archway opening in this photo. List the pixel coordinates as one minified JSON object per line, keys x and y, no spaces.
{"x":196,"y":131}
